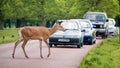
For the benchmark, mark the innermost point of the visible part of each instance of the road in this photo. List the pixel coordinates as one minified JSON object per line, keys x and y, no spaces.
{"x":61,"y":56}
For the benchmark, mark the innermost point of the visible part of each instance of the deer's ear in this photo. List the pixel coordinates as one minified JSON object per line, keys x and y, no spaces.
{"x":59,"y":22}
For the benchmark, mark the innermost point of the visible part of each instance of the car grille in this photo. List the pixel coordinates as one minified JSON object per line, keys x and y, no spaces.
{"x":72,"y":41}
{"x":98,"y":26}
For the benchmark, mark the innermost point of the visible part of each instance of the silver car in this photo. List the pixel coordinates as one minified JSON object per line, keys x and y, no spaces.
{"x":112,"y":30}
{"x":71,"y":36}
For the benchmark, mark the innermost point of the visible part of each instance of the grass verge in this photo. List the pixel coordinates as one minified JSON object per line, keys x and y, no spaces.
{"x":105,"y":55}
{"x":8,"y":35}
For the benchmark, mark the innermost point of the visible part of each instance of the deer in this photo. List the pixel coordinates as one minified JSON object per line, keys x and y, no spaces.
{"x":40,"y":33}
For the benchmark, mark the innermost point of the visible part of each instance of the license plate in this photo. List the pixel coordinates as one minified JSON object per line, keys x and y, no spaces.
{"x":63,"y":40}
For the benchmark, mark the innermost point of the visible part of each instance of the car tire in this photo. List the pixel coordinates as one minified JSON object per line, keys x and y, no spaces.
{"x":81,"y":44}
{"x":78,"y":46}
{"x":91,"y":43}
{"x":55,"y":45}
{"x":50,"y":45}
{"x":104,"y":36}
{"x":94,"y":41}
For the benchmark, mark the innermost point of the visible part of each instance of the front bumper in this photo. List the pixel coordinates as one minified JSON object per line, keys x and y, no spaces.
{"x":100,"y":30}
{"x":87,"y":39}
{"x":65,"y":41}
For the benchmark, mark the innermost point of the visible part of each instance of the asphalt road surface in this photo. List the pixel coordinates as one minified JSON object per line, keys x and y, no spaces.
{"x":61,"y":56}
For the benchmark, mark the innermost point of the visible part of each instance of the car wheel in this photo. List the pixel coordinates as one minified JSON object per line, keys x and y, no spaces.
{"x":81,"y":44}
{"x":55,"y":45}
{"x":94,"y":42}
{"x":50,"y":45}
{"x":104,"y":36}
{"x":91,"y":43}
{"x":78,"y":46}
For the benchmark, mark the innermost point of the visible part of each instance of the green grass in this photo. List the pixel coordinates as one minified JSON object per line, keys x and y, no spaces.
{"x":8,"y":35}
{"x":105,"y":55}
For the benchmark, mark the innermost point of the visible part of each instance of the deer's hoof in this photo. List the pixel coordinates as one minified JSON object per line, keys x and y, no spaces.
{"x":27,"y":57}
{"x":41,"y":56}
{"x":48,"y":55}
{"x":13,"y":56}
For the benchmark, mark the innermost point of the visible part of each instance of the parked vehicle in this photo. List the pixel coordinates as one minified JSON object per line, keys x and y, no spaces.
{"x":112,"y":30}
{"x":98,"y":20}
{"x":72,"y":35}
{"x":90,"y":32}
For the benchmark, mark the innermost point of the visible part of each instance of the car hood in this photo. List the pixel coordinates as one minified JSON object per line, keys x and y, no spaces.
{"x":111,"y":26}
{"x":98,"y":23}
{"x":88,"y":32}
{"x":67,"y":33}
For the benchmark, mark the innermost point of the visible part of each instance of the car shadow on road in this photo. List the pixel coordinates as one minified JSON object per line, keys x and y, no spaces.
{"x":66,"y":46}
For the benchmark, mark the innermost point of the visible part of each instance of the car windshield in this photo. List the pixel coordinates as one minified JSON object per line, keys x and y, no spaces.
{"x":85,"y":24}
{"x":95,"y":17}
{"x":69,"y":25}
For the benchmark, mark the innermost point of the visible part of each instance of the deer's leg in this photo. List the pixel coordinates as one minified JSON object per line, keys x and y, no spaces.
{"x":41,"y":49}
{"x":23,"y":47}
{"x":48,"y":48}
{"x":19,"y":41}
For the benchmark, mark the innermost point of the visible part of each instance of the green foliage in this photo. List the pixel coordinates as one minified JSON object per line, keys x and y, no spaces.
{"x":8,"y":35}
{"x":105,"y":55}
{"x":110,"y":7}
{"x":46,"y":10}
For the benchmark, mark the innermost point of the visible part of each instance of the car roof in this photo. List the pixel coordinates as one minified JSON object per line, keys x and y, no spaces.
{"x":83,"y":20}
{"x":95,"y":13}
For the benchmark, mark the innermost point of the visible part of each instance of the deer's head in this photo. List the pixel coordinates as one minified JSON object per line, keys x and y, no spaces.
{"x":58,"y":26}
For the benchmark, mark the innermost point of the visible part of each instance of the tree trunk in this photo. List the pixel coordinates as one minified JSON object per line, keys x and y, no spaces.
{"x":23,"y":22}
{"x":1,"y":25}
{"x":18,"y":23}
{"x":1,"y":20}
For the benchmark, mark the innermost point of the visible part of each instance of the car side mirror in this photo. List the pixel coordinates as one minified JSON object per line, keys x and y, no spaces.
{"x":107,"y":20}
{"x":83,"y":30}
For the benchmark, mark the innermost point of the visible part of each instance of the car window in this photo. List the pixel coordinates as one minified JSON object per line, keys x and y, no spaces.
{"x":69,"y":25}
{"x":85,"y":24}
{"x":95,"y":17}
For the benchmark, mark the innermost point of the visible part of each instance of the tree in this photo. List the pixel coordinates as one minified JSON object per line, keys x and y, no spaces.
{"x":111,"y":7}
{"x":51,"y":10}
{"x":2,"y":3}
{"x":62,"y":9}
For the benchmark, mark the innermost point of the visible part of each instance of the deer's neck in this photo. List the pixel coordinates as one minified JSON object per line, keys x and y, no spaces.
{"x":52,"y":30}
